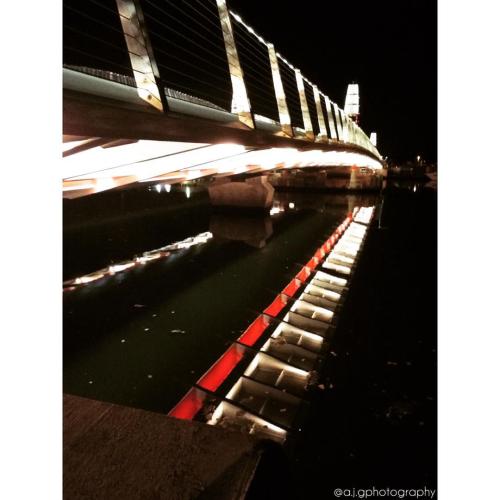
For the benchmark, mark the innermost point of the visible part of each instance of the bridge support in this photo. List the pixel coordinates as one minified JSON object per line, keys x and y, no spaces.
{"x":286,"y":122}
{"x":240,"y":104}
{"x":303,"y":105}
{"x":255,"y":192}
{"x":143,"y":64}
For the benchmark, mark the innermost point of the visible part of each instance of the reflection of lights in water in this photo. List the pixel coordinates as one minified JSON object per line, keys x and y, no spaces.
{"x":148,"y":257}
{"x":291,"y":205}
{"x":168,"y":188}
{"x":88,"y":278}
{"x":120,"y":267}
{"x":415,"y":188}
{"x":188,"y":192}
{"x":158,"y":187}
{"x":143,"y":259}
{"x":275,"y":210}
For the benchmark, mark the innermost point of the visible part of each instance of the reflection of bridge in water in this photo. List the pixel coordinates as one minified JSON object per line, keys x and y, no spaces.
{"x":169,"y":92}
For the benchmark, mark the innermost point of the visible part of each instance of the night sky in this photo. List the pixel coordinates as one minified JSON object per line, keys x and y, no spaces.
{"x":388,"y":47}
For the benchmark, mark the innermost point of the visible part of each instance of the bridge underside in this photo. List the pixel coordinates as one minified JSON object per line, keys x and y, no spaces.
{"x":112,"y":139}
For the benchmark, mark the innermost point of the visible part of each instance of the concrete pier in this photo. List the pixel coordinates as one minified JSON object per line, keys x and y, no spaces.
{"x":255,"y":192}
{"x":115,"y":452}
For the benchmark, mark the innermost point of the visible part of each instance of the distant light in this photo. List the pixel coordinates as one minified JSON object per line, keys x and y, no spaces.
{"x":188,"y":192}
{"x":158,"y":187}
{"x":168,"y":187}
{"x":291,"y":205}
{"x":415,"y":188}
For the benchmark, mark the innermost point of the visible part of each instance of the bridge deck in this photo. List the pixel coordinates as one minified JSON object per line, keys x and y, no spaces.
{"x":95,"y":116}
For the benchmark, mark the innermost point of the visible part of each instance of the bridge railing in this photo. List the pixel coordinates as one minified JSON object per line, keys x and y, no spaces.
{"x":185,"y":56}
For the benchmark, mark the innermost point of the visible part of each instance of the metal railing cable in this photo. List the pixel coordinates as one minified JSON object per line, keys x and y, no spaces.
{"x":256,"y":66}
{"x":107,"y":61}
{"x":311,"y":104}
{"x":93,"y":38}
{"x":183,"y":24}
{"x":105,"y":42}
{"x":292,"y":94}
{"x":190,"y":55}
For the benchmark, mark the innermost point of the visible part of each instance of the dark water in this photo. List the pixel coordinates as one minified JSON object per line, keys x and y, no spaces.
{"x":141,"y":338}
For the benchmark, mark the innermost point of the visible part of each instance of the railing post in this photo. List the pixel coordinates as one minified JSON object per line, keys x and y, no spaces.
{"x":348,"y":128}
{"x":279,"y":92}
{"x":338,"y":119}
{"x":344,"y":125}
{"x":240,"y":104}
{"x":303,"y":105}
{"x":328,"y":103}
{"x":321,"y":119}
{"x":142,"y":61}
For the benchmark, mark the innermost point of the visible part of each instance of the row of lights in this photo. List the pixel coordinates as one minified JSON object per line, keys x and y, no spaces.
{"x":143,"y":259}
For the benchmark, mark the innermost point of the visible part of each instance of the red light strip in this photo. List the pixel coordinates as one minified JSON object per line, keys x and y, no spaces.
{"x":254,"y":331}
{"x":221,"y":369}
{"x":292,"y":287}
{"x":319,"y":253}
{"x":303,"y":274}
{"x":188,"y":406}
{"x":276,"y":306}
{"x":312,"y":263}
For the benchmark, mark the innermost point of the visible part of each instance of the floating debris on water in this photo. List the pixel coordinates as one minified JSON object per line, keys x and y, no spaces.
{"x":150,"y":376}
{"x":122,"y":341}
{"x":392,"y":363}
{"x":91,"y":381}
{"x":139,"y":305}
{"x":146,"y":329}
{"x":177,"y":330}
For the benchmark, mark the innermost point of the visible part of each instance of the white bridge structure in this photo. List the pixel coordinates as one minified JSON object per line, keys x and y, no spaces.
{"x":169,"y":91}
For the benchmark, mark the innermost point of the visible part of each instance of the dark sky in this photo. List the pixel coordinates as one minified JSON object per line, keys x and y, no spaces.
{"x":389,"y":47}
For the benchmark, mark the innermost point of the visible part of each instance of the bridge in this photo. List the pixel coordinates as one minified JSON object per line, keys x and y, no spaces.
{"x":173,"y":91}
